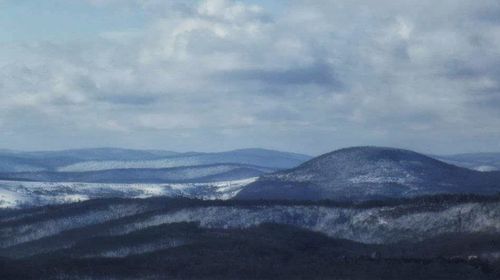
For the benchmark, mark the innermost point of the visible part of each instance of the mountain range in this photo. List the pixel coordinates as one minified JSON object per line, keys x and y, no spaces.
{"x":351,"y":174}
{"x":109,"y":165}
{"x":355,"y":213}
{"x":30,"y":179}
{"x":183,"y":174}
{"x":112,"y":158}
{"x":96,"y":164}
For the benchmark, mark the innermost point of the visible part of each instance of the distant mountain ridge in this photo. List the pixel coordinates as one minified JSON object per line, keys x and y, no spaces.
{"x":113,"y":158}
{"x":183,"y":174}
{"x":476,"y":161}
{"x":21,"y":161}
{"x":257,"y":157}
{"x":363,"y":173}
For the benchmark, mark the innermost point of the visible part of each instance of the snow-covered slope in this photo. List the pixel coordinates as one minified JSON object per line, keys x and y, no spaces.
{"x":11,"y":198}
{"x":376,"y":225}
{"x":362,"y":173}
{"x":457,"y":236}
{"x":16,"y":194}
{"x":43,"y":229}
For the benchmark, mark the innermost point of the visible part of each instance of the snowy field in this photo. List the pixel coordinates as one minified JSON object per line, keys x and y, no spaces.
{"x":17,"y":194}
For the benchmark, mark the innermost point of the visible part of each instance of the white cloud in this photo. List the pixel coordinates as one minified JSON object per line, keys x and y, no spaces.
{"x":409,"y":73}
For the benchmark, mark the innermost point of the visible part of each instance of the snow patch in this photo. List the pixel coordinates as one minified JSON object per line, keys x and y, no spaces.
{"x":15,"y":194}
{"x":486,"y":168}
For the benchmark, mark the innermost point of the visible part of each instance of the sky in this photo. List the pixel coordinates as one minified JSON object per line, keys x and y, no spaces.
{"x":214,"y":75}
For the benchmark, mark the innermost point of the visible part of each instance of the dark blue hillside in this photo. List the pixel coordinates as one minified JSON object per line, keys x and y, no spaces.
{"x":362,"y":173}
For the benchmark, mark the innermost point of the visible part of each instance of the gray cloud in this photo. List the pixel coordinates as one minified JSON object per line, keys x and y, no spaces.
{"x":320,"y":74}
{"x":220,"y":74}
{"x":128,"y":99}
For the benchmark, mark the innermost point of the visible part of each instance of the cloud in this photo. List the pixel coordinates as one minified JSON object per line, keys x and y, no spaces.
{"x":227,"y":74}
{"x":320,"y":74}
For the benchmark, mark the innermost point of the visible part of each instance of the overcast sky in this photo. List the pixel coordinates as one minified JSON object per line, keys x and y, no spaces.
{"x":303,"y":76}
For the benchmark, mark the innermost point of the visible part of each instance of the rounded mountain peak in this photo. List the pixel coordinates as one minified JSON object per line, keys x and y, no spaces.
{"x":367,"y":173}
{"x":352,"y":157}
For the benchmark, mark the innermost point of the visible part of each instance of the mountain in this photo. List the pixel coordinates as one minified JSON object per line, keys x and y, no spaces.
{"x":112,"y":158}
{"x":476,"y":161}
{"x":185,"y":174}
{"x":363,"y":173}
{"x":445,"y":237}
